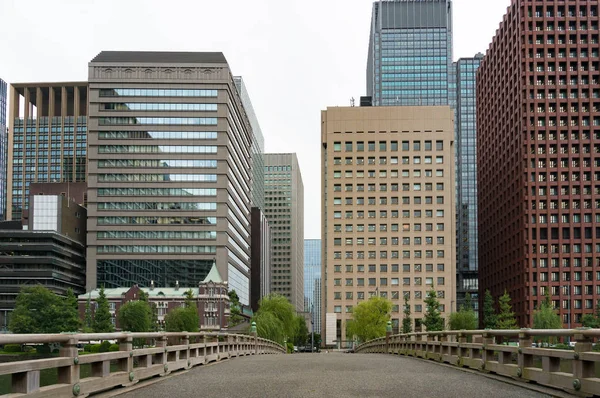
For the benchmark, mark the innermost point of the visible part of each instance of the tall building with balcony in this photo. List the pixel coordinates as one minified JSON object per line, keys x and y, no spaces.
{"x":47,"y":140}
{"x":466,"y":181}
{"x":312,"y":278}
{"x":3,"y":148}
{"x":410,"y":53}
{"x":169,"y":171}
{"x":284,"y":209}
{"x":538,"y":142}
{"x":388,"y":202}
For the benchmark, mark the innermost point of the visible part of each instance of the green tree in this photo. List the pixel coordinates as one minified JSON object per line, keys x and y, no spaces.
{"x":506,"y":317}
{"x":369,"y":319}
{"x":544,"y":317}
{"x":301,"y":333}
{"x":69,"y":319}
{"x":592,"y":320}
{"x":269,"y":326}
{"x":184,"y":319}
{"x":465,"y":318}
{"x":102,"y":317}
{"x":37,"y":310}
{"x":135,"y":316}
{"x":235,"y":310}
{"x":433,"y":320}
{"x":88,"y":320}
{"x":406,"y":320}
{"x":281,"y":308}
{"x":490,"y":319}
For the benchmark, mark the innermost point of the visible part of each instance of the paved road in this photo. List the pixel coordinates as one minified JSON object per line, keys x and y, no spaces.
{"x":329,"y":375}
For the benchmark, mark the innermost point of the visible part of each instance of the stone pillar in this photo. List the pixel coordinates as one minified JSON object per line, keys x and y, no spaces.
{"x":126,"y":364}
{"x":255,"y":335}
{"x":162,"y":343}
{"x":388,"y":333}
{"x":582,"y":369}
{"x":69,"y":374}
{"x":525,"y":341}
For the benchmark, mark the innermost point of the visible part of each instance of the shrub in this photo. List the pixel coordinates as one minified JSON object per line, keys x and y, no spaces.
{"x":113,"y":347}
{"x":95,"y":348}
{"x":43,"y":349}
{"x":87,"y":348}
{"x":12,"y":348}
{"x":561,"y":346}
{"x":105,"y":346}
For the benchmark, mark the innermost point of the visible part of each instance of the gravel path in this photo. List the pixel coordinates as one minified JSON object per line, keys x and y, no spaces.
{"x":329,"y":375}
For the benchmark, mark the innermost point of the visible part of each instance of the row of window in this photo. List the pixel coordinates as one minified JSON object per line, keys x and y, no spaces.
{"x":565,"y":290}
{"x":142,"y":92}
{"x":349,"y":214}
{"x":383,"y":241}
{"x":383,"y":254}
{"x":157,"y":192}
{"x":556,"y":248}
{"x":157,"y":163}
{"x":383,"y":268}
{"x":566,"y":276}
{"x":156,"y":249}
{"x":153,"y":106}
{"x":564,"y":262}
{"x":147,"y":220}
{"x":564,"y":218}
{"x":418,"y":308}
{"x":156,"y":177}
{"x":349,"y":201}
{"x":391,"y":160}
{"x":176,"y":235}
{"x":383,"y":145}
{"x":180,"y":121}
{"x":393,"y":227}
{"x":157,"y":149}
{"x":417,"y":281}
{"x":158,"y":135}
{"x":416,"y":187}
{"x":157,"y":206}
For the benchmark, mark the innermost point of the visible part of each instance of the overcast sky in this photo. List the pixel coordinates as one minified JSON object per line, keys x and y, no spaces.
{"x":296,"y":57}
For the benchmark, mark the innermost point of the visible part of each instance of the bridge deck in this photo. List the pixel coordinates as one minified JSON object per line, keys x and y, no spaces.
{"x":329,"y":375}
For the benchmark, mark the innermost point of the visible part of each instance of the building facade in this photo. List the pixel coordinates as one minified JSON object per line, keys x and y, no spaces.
{"x":537,"y":150}
{"x":410,"y":53}
{"x":388,"y":203}
{"x":50,"y":252}
{"x":3,"y":148}
{"x":153,"y":112}
{"x":284,"y":209}
{"x":466,"y":181}
{"x":260,"y":285}
{"x":312,"y":277}
{"x":47,"y":140}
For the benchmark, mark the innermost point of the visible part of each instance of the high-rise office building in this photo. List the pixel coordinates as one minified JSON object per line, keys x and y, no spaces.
{"x":3,"y":148}
{"x":466,"y":180}
{"x":47,"y":140}
{"x":312,"y":277}
{"x":284,"y":208}
{"x":538,"y":164}
{"x":410,"y":53}
{"x":169,"y":171}
{"x":388,"y":202}
{"x":260,"y":281}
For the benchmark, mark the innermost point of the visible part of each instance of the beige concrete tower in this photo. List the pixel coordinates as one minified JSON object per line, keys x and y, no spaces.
{"x":387,"y":211}
{"x":284,"y":208}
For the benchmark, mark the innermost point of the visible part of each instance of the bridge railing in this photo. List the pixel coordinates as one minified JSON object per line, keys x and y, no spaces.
{"x":155,"y":354}
{"x":511,"y":353}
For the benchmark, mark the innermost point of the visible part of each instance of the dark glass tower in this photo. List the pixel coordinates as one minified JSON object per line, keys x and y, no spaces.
{"x":312,"y":281}
{"x":410,"y":53}
{"x":466,"y":179}
{"x":3,"y":149}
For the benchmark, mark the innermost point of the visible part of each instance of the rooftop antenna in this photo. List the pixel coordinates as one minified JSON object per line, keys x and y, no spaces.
{"x":352,"y":101}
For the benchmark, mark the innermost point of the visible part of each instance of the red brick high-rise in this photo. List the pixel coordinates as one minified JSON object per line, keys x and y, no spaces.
{"x":538,"y":148}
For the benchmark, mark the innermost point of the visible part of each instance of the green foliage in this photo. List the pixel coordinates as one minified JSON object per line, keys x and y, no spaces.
{"x":592,"y":320}
{"x":135,"y":316}
{"x":544,"y":317}
{"x":95,"y":348}
{"x":281,"y":323}
{"x":38,"y":310}
{"x":183,"y":319}
{"x":506,"y":317}
{"x":102,"y":317}
{"x":406,"y":320}
{"x":88,"y":320}
{"x":87,"y":348}
{"x":465,"y":318}
{"x":105,"y":346}
{"x":113,"y":348}
{"x":290,"y":347}
{"x":235,"y":312}
{"x":12,"y":348}
{"x":433,"y":320}
{"x":490,"y":319}
{"x":369,"y":319}
{"x":317,"y":338}
{"x":301,"y":331}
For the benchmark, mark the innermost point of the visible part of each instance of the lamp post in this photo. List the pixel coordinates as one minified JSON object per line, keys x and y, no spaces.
{"x":312,"y":328}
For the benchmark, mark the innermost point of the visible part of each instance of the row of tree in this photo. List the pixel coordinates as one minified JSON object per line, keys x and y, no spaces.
{"x":38,"y":310}
{"x":369,"y":318}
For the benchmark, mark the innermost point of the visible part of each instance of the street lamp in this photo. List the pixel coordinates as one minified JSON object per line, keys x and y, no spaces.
{"x":312,"y":328}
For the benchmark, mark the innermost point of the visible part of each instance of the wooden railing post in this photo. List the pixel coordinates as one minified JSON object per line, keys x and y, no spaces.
{"x":68,"y":374}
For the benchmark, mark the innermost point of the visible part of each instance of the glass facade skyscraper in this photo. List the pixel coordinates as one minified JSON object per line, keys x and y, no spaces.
{"x":3,"y":149}
{"x":312,"y":281}
{"x":410,"y":53}
{"x":48,"y":140}
{"x":466,"y":179}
